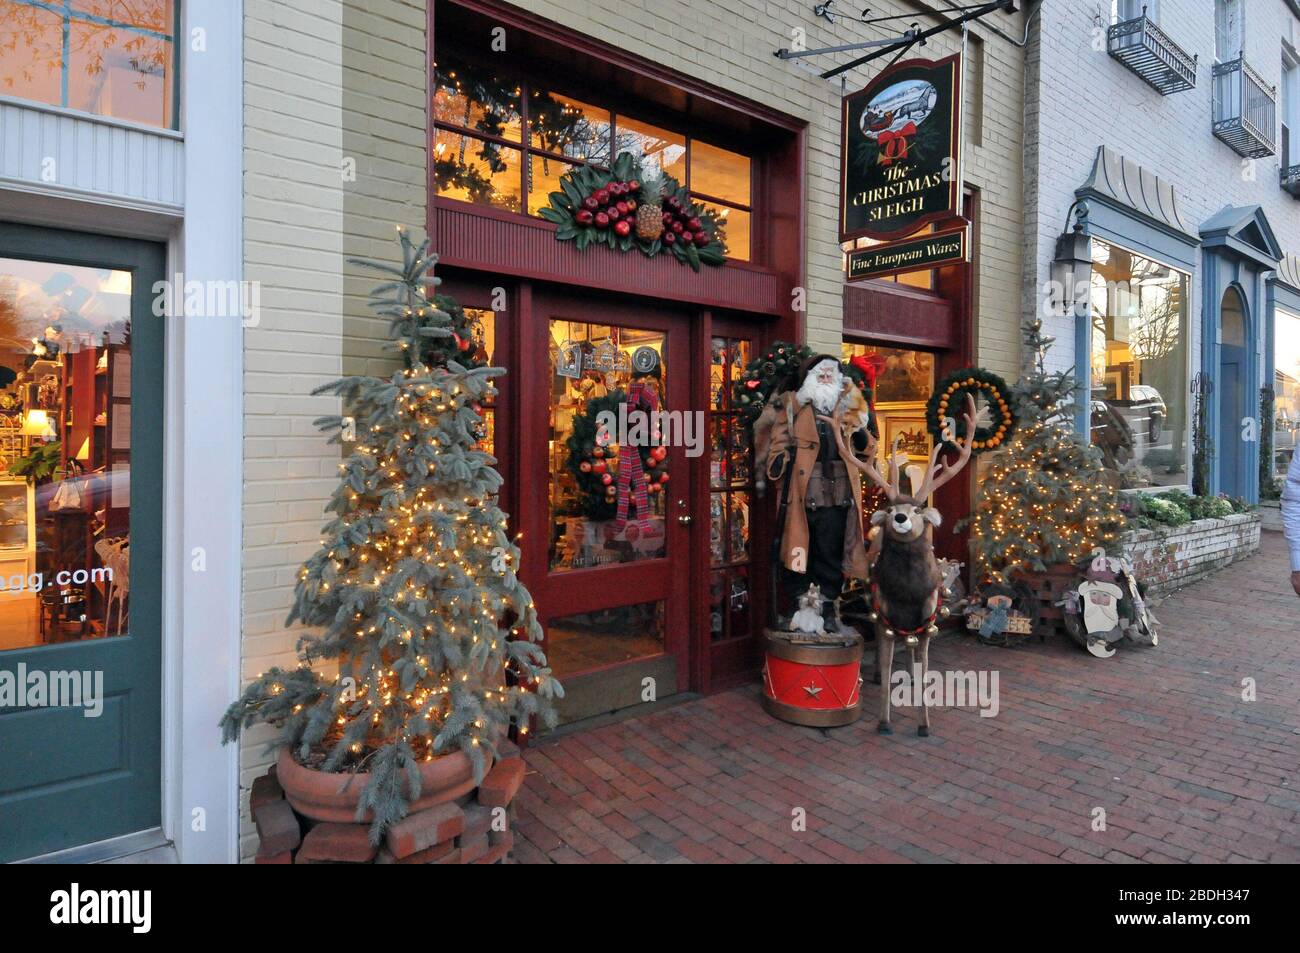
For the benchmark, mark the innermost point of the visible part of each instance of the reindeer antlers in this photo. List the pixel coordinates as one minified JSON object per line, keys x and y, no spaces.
{"x":867,"y":466}
{"x":936,"y":473}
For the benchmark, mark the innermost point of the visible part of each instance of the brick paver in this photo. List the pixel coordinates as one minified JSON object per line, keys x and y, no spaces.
{"x":1160,"y":739}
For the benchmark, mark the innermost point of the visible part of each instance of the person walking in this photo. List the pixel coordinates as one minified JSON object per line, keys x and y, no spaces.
{"x":1291,"y":518}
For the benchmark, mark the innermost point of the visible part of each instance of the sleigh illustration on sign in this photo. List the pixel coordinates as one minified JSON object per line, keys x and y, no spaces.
{"x":892,"y":118}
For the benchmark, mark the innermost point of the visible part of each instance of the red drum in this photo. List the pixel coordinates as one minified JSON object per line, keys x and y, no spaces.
{"x":818,"y":684}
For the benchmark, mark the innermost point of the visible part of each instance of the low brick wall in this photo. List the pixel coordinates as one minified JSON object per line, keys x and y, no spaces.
{"x":1171,"y":557}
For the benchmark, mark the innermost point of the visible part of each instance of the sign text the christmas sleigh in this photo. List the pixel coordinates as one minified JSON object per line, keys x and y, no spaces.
{"x":901,"y":138}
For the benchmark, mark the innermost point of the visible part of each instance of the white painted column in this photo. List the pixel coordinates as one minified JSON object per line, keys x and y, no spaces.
{"x":205,"y":449}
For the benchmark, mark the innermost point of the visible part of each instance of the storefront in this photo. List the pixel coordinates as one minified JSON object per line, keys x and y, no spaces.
{"x":677,"y":603}
{"x":671,"y":602}
{"x":119,"y":429}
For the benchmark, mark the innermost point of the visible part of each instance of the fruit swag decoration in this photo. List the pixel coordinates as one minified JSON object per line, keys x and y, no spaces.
{"x":625,"y":209}
{"x":611,"y":479}
{"x":995,"y":421}
{"x":766,"y":376}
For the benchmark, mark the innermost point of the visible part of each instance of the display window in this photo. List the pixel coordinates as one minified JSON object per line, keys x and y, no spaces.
{"x":1139,"y":366}
{"x":1286,"y":389}
{"x":480,"y":153}
{"x":731,"y":493}
{"x":65,"y":452}
{"x":607,"y":502}
{"x":99,"y":56}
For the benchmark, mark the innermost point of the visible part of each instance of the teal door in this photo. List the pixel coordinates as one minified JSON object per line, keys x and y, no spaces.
{"x":81,"y":403}
{"x":1230,"y":448}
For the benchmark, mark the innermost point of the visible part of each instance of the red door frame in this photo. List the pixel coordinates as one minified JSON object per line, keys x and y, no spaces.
{"x":587,"y":590}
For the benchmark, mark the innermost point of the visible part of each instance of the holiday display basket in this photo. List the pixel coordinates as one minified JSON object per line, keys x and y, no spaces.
{"x":1016,"y":624}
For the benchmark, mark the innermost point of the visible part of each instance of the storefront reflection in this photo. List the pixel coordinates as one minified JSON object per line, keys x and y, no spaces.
{"x":65,"y":452}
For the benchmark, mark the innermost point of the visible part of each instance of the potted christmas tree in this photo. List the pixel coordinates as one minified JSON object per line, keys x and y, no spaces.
{"x":1047,"y":501}
{"x":414,"y":588}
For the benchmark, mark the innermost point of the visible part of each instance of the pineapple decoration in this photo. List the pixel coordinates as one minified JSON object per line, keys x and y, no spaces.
{"x":625,"y":210}
{"x":649,"y":215}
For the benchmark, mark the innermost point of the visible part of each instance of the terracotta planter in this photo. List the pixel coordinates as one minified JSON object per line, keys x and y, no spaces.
{"x":326,"y":796}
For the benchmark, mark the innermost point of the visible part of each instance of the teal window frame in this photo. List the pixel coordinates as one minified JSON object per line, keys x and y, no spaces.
{"x":63,"y":9}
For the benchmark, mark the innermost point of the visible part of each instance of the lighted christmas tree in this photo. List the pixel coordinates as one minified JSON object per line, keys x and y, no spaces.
{"x":432,"y":633}
{"x":1047,"y":499}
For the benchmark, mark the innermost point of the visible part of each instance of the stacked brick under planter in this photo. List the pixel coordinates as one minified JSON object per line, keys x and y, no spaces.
{"x":457,"y":831}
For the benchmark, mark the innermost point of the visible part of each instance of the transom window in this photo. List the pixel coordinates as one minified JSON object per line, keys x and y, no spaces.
{"x":481,"y":155}
{"x":107,"y":57}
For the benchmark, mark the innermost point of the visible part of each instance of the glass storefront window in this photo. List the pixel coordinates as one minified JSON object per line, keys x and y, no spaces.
{"x":1286,"y":389}
{"x":733,"y":229}
{"x":654,"y":146}
{"x":479,"y":115}
{"x":543,"y":179}
{"x":719,"y":174}
{"x":476,"y":170}
{"x":730,"y":485}
{"x":474,"y":98}
{"x":1139,"y":356}
{"x":483,"y":324}
{"x":65,"y":453}
{"x":592,"y":640}
{"x":120,"y":59}
{"x":568,"y":127}
{"x":607,"y":500}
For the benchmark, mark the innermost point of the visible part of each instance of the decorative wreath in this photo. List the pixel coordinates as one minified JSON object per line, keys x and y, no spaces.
{"x":770,"y":374}
{"x":594,"y":458}
{"x":949,"y":398}
{"x":765,"y":376}
{"x":599,"y":207}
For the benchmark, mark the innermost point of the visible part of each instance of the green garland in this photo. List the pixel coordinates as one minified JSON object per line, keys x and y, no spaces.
{"x":597,"y":500}
{"x":949,"y":399}
{"x":568,"y":211}
{"x":766,"y":375}
{"x":771,"y":373}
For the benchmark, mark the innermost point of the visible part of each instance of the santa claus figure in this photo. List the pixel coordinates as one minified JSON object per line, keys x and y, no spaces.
{"x":820,"y":513}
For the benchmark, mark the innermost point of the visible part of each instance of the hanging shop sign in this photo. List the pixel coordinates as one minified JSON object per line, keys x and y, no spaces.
{"x":899,"y":153}
{"x":911,"y":254}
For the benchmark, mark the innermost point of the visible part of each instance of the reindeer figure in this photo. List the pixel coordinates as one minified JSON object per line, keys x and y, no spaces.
{"x":906,"y":582}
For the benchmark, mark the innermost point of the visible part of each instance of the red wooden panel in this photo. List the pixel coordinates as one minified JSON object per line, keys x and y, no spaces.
{"x":469,"y":237}
{"x":891,"y":312}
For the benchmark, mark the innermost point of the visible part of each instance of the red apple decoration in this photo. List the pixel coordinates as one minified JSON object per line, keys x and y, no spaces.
{"x":584,"y":217}
{"x":602,"y":220}
{"x":623,"y":228}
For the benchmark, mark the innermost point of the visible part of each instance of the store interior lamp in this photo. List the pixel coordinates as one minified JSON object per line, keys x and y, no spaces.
{"x":38,"y":424}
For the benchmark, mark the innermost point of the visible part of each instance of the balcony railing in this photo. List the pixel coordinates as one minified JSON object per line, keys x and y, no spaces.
{"x":1291,"y":179}
{"x":1147,"y":50}
{"x":1245,"y":109}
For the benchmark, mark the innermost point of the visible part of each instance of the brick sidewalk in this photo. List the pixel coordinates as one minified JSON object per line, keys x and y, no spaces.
{"x":1160,"y":738}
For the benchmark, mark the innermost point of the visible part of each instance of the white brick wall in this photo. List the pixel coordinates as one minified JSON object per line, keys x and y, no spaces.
{"x":1170,"y":558}
{"x":1080,"y":98}
{"x":324,"y":80}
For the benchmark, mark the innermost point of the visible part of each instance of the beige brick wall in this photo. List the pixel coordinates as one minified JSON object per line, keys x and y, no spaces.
{"x":729,"y":43}
{"x":325,"y":81}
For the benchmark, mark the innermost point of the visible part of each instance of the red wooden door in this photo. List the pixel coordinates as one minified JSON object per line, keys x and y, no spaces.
{"x":612,"y":586}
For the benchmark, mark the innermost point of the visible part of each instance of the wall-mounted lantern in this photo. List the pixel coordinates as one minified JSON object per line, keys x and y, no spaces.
{"x":1072,"y":267}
